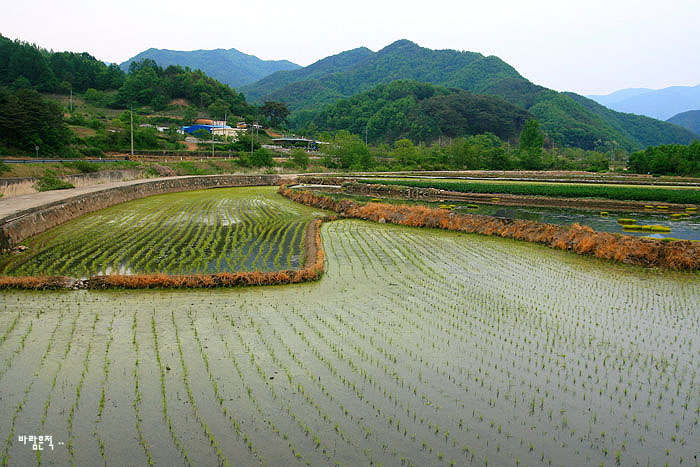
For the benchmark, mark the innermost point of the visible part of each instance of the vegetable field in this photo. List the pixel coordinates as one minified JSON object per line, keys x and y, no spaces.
{"x":200,"y":232}
{"x":417,"y":347}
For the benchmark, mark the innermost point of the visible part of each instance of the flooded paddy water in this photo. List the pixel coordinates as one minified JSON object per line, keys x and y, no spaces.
{"x":681,"y":226}
{"x":417,"y":347}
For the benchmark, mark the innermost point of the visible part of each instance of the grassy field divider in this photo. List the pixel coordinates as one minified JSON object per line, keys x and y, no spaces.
{"x":679,"y":254}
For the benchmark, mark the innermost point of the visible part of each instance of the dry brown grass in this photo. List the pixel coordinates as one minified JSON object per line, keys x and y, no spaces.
{"x":679,"y":254}
{"x":36,"y":282}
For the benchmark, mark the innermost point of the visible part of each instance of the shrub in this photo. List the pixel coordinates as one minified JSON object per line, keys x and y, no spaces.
{"x":49,"y":181}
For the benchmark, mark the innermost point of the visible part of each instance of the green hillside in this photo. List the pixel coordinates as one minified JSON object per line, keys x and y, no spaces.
{"x":568,"y":119}
{"x":305,"y":82}
{"x":420,"y":112}
{"x":689,"y":120}
{"x":227,"y":66}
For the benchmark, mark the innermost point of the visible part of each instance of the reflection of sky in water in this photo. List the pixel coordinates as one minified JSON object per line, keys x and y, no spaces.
{"x":688,"y":228}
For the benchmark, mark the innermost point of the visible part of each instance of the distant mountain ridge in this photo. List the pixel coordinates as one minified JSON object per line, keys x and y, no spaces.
{"x":230,"y":66}
{"x":568,"y":119}
{"x":656,"y":103}
{"x":360,"y":70}
{"x":689,"y":120}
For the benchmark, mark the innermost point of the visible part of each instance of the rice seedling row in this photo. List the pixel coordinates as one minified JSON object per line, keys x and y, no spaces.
{"x":416,"y":348}
{"x":225,"y":230}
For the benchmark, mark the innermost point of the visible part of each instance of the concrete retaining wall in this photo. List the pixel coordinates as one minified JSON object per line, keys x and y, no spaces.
{"x":24,"y":186}
{"x":17,"y":227}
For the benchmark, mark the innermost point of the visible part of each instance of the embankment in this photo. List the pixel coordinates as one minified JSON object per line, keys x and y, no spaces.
{"x":351,"y":186}
{"x":679,"y":255}
{"x":23,"y":224}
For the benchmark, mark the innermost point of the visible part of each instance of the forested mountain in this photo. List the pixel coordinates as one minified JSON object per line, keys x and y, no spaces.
{"x":360,"y":70}
{"x":23,"y":65}
{"x":689,"y":120}
{"x":659,"y":103}
{"x":299,"y":86}
{"x":420,"y":112}
{"x":568,"y":119}
{"x":228,"y":66}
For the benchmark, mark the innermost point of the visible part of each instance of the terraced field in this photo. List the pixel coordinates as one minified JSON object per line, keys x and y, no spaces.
{"x":417,"y":347}
{"x":208,"y":231}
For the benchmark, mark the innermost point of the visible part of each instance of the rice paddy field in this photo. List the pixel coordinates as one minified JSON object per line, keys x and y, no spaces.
{"x":198,"y":232}
{"x":681,"y":226}
{"x":669,"y":194}
{"x":417,"y":347}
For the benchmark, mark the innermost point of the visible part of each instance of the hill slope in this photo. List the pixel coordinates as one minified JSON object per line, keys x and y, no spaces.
{"x":227,"y":66}
{"x":661,"y":104}
{"x":689,"y":120}
{"x":420,"y":112}
{"x":568,"y":119}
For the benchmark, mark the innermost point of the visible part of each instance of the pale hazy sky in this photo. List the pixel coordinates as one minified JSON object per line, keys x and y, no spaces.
{"x":590,"y":47}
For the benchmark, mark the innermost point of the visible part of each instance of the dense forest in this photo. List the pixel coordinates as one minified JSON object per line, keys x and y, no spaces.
{"x":24,"y":65}
{"x":27,"y":119}
{"x":418,"y":111}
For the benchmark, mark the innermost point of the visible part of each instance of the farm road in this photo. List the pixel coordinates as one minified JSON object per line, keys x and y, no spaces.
{"x":17,"y":204}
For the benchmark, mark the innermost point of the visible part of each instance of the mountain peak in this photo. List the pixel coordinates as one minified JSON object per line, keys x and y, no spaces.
{"x":401,"y":44}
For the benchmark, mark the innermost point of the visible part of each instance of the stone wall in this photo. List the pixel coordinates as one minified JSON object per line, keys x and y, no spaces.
{"x":17,"y":227}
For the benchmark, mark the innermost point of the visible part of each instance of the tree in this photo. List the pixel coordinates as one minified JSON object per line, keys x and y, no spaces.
{"x":300,"y":158}
{"x":276,"y":113}
{"x":27,"y":119}
{"x":405,"y":152}
{"x":531,"y":142}
{"x":190,"y":115}
{"x":202,"y":135}
{"x":261,"y":158}
{"x":219,"y":109}
{"x":346,"y":151}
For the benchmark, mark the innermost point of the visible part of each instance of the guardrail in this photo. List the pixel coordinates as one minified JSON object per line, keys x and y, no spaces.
{"x":47,"y":161}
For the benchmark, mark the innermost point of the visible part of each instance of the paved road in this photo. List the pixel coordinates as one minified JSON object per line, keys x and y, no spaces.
{"x":16,"y":204}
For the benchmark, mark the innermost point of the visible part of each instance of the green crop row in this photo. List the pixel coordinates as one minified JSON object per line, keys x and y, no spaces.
{"x":203,"y":232}
{"x":563,"y":190}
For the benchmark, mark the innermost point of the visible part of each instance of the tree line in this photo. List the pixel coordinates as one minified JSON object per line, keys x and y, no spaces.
{"x":668,"y":159}
{"x":482,"y":151}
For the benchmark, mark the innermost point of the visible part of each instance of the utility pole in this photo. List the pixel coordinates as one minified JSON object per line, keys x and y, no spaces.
{"x":71,"y":100}
{"x":365,"y":135}
{"x":131,"y":116}
{"x":212,"y":141}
